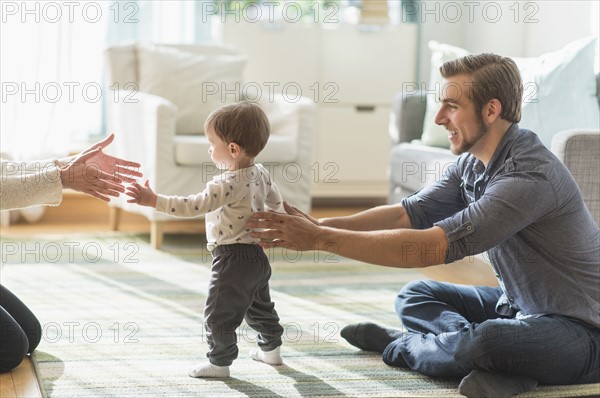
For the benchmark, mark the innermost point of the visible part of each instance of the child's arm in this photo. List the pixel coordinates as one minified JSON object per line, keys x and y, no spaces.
{"x":142,"y":195}
{"x":213,"y":197}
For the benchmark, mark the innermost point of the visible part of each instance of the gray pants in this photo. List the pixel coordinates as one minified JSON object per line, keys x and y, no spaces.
{"x":239,"y":290}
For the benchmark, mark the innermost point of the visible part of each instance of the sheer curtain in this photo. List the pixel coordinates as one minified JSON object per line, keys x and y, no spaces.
{"x":162,"y":22}
{"x":51,"y":73}
{"x":52,"y":65}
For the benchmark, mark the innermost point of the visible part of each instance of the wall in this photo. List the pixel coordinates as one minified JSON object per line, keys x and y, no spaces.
{"x":514,"y":28}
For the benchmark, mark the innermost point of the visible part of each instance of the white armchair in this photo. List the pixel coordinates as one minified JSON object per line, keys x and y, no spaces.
{"x":173,"y":155}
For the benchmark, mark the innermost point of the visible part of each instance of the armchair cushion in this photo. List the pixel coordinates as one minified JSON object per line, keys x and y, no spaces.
{"x":196,"y":83}
{"x":192,"y":150}
{"x":414,"y":166}
{"x":281,"y":147}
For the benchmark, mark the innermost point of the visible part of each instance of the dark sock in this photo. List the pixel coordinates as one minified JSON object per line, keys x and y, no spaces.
{"x":482,"y":384}
{"x":369,"y":336}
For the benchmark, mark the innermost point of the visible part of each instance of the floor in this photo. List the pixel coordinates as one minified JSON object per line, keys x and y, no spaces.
{"x":20,"y":382}
{"x":81,"y":214}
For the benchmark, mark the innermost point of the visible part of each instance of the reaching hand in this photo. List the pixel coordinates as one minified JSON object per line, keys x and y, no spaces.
{"x":78,"y":175}
{"x":121,"y":168}
{"x":295,"y":230}
{"x":142,"y":195}
{"x":294,"y":211}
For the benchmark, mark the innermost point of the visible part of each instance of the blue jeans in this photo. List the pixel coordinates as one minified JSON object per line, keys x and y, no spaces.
{"x":453,"y":329}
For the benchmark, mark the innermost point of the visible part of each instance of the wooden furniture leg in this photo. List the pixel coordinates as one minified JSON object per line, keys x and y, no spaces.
{"x":156,"y":234}
{"x":114,"y":217}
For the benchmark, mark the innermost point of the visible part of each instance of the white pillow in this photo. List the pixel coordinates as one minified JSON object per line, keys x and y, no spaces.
{"x":434,"y":135}
{"x":559,"y":91}
{"x":186,"y":79}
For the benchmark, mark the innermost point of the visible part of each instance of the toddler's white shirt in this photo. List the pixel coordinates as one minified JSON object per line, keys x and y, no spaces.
{"x":228,"y":201}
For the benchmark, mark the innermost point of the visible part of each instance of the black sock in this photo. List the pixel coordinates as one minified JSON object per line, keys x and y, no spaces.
{"x":370,"y":336}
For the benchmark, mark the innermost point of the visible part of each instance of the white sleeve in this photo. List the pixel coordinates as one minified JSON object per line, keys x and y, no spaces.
{"x":24,"y":184}
{"x":214,"y":196}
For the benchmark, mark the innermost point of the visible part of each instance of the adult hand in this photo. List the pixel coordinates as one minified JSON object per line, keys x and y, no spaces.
{"x":293,"y":210}
{"x":78,"y":175}
{"x":293,"y":231}
{"x":123,"y":169}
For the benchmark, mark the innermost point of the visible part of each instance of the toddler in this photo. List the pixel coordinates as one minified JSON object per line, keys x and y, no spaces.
{"x":239,"y":284}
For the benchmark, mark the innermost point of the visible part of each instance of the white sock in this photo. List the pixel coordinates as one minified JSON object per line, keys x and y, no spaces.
{"x":207,"y":369}
{"x":272,"y":357}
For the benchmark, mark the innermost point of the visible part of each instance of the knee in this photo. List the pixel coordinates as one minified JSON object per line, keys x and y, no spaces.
{"x":34,"y":336}
{"x":412,"y":293}
{"x":412,"y":289}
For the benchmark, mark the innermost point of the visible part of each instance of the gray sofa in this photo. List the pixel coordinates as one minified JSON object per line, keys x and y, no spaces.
{"x":414,"y":166}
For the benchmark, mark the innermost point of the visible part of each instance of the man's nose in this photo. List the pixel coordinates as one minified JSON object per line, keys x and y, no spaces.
{"x":440,"y":117}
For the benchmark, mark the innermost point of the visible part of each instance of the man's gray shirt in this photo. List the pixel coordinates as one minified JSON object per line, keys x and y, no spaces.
{"x":528,"y":213}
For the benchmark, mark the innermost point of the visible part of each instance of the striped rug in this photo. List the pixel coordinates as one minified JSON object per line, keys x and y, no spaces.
{"x":123,"y":320}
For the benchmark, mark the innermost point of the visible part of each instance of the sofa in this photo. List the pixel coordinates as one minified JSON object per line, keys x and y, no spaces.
{"x":160,"y":101}
{"x":414,"y":164}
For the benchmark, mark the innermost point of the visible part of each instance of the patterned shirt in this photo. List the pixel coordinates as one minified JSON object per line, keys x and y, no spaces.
{"x":228,"y":201}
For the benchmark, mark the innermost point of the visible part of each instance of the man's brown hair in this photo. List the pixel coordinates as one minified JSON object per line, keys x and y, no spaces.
{"x":244,"y":123}
{"x":493,"y":76}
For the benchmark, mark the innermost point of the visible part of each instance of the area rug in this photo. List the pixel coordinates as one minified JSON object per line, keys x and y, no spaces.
{"x":121,"y":319}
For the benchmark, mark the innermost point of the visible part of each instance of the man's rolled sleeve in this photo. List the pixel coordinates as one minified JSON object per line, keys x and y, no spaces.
{"x":457,"y":233}
{"x":417,"y":216}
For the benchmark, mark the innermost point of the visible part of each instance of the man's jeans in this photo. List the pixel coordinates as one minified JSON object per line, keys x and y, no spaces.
{"x":453,"y":329}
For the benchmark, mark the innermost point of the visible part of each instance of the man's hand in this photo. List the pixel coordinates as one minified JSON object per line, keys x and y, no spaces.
{"x":142,"y":195}
{"x":294,"y":211}
{"x":296,"y":230}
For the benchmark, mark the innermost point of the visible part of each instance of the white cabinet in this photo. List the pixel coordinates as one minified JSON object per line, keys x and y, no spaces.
{"x":352,"y":151}
{"x":352,"y":74}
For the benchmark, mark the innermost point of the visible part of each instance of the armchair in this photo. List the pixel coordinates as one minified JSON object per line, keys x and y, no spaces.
{"x":173,"y":155}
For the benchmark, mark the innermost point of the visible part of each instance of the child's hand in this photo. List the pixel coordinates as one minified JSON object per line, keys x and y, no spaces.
{"x":142,"y":195}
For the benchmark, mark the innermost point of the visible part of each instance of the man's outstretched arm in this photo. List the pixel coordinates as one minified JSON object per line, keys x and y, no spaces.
{"x":401,"y":247}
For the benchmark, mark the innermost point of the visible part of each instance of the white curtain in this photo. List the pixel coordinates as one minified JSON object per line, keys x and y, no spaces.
{"x":51,"y":73}
{"x":162,"y":22}
{"x":52,"y":63}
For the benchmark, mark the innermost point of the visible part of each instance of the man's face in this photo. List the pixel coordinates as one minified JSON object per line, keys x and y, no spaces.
{"x":457,"y":114}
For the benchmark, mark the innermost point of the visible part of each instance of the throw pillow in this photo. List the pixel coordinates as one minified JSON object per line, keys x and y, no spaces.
{"x":559,"y":91}
{"x":196,"y":83}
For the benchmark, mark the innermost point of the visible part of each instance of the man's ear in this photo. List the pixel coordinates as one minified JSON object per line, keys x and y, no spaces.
{"x":234,"y":149}
{"x":492,"y":110}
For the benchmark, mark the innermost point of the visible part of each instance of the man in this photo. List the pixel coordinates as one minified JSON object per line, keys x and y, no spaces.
{"x":507,"y":195}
